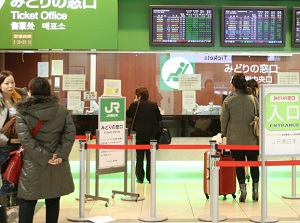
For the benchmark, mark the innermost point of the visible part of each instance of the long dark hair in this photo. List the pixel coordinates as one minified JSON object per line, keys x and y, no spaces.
{"x":4,"y":74}
{"x":252,"y":85}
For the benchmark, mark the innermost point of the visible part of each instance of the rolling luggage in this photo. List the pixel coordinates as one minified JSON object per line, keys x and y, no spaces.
{"x":227,"y":176}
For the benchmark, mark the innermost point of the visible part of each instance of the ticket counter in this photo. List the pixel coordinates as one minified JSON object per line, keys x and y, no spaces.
{"x":179,"y":125}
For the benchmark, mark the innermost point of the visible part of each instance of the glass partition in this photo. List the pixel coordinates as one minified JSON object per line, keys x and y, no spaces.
{"x":179,"y":82}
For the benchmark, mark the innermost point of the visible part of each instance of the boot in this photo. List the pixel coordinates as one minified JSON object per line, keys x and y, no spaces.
{"x":243,"y":193}
{"x":255,"y":191}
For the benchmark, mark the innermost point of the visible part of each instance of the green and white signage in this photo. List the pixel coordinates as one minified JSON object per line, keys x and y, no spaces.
{"x":172,"y":67}
{"x":111,"y":127}
{"x":59,"y":24}
{"x":280,"y":120}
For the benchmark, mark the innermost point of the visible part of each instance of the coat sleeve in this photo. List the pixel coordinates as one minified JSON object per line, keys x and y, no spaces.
{"x":157,"y":112}
{"x":131,"y":110}
{"x":67,"y":139}
{"x":224,"y":118}
{"x":31,"y":146}
{"x":3,"y":115}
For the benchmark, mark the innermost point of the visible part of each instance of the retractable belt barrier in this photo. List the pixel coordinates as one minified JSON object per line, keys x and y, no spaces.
{"x":216,"y":164}
{"x":198,"y":146}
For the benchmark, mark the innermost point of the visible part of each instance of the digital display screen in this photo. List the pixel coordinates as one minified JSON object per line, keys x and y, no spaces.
{"x":182,"y":25}
{"x":296,"y":27}
{"x":253,"y":26}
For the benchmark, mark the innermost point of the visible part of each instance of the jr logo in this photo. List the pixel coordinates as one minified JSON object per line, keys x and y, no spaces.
{"x":2,"y":3}
{"x":113,"y":106}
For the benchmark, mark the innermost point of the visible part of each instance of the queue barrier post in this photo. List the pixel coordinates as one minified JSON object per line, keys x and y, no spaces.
{"x":213,"y":187}
{"x":294,"y":194}
{"x":134,"y":196}
{"x":82,"y":149}
{"x":153,"y":217}
{"x":88,"y":135}
{"x":264,"y":217}
{"x":88,"y":138}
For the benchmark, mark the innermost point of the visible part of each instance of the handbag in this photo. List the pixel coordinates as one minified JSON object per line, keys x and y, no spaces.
{"x":255,"y":122}
{"x":9,"y":128}
{"x":13,"y":170}
{"x":165,"y":136}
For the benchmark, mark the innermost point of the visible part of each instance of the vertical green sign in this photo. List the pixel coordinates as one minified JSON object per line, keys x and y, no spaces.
{"x":282,"y":111}
{"x":280,"y":120}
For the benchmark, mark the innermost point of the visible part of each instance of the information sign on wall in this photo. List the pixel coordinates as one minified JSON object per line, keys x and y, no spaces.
{"x":280,"y":114}
{"x":112,"y":127}
{"x":81,"y":24}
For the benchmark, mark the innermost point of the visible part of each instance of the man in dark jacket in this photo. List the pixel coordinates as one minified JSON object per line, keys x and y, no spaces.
{"x":145,"y":116}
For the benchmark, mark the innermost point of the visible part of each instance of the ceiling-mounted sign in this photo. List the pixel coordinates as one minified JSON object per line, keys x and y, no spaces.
{"x":60,"y":24}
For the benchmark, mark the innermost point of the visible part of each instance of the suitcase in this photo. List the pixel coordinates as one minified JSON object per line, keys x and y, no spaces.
{"x":227,"y":177}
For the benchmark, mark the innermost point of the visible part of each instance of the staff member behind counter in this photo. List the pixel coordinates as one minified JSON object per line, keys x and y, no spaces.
{"x":207,"y":94}
{"x":207,"y":126}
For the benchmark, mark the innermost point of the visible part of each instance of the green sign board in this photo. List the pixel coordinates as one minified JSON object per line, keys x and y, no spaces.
{"x":112,"y":109}
{"x":279,"y":120}
{"x":62,"y":24}
{"x":172,"y":67}
{"x":282,"y":111}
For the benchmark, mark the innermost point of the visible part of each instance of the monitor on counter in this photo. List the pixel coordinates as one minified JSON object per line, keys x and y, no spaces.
{"x":253,"y":26}
{"x":296,"y":27}
{"x":182,"y":25}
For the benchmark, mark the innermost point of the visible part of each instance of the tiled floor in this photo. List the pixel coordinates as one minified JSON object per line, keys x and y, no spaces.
{"x":179,"y":197}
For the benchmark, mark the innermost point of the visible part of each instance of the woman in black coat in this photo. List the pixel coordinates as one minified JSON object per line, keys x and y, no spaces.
{"x":145,"y":116}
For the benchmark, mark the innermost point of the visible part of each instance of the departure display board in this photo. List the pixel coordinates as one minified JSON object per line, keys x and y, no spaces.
{"x":253,"y":26}
{"x":182,"y":25}
{"x":296,"y":27}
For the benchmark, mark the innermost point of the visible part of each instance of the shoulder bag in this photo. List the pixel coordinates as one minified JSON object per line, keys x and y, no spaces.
{"x":165,"y":136}
{"x":132,"y":123}
{"x":255,"y":122}
{"x":13,"y":170}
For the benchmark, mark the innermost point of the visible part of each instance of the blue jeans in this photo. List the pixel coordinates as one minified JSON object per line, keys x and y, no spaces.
{"x":6,"y":187}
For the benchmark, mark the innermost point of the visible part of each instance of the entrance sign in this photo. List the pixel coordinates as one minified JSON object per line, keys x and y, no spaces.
{"x":71,"y":25}
{"x":111,"y":128}
{"x":280,"y":120}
